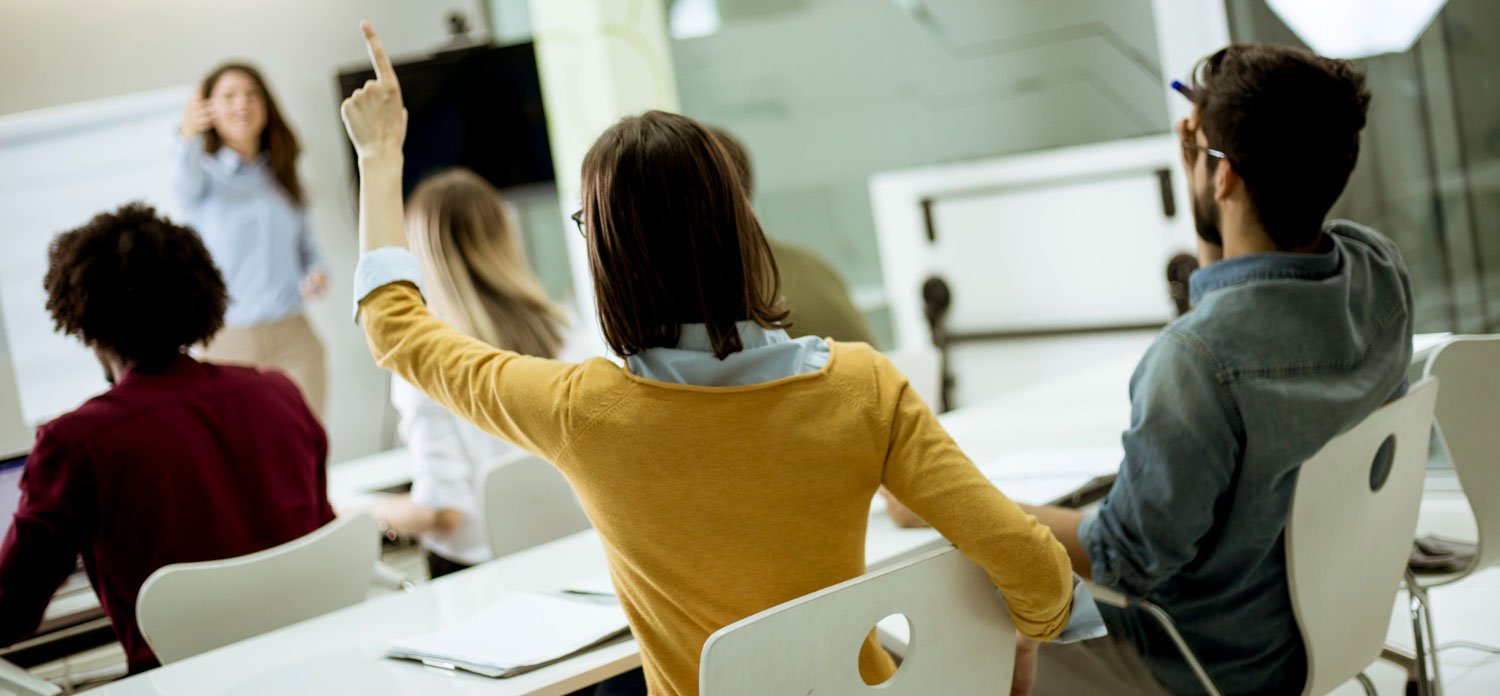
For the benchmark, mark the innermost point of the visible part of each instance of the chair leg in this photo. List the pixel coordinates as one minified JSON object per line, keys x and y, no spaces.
{"x":1188,"y":655}
{"x":1365,"y":682}
{"x":1429,"y":681}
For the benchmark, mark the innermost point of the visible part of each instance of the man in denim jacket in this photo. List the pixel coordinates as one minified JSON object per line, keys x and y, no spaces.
{"x":1300,"y":329}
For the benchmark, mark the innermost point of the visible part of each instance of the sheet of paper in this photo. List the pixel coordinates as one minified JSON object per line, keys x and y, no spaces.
{"x":526,"y":629}
{"x":1039,"y":491}
{"x":1039,"y":477}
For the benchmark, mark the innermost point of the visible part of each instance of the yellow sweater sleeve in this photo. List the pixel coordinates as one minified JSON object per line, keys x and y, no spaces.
{"x":522,"y":399}
{"x":928,"y":473}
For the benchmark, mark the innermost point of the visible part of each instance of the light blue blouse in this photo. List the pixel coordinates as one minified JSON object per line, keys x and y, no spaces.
{"x":258,"y":236}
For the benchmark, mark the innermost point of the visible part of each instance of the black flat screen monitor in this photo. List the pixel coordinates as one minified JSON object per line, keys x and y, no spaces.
{"x":477,"y":107}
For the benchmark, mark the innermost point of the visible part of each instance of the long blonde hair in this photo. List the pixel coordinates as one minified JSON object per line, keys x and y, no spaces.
{"x":474,"y":266}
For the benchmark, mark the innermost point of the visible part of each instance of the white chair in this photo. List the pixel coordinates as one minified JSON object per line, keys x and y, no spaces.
{"x":1348,"y":537}
{"x":188,"y":608}
{"x":526,"y":503}
{"x":1468,"y":421}
{"x":15,"y":681}
{"x":964,"y":642}
{"x":1468,"y":424}
{"x":923,"y":368}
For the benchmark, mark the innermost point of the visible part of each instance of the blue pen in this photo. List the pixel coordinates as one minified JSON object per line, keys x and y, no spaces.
{"x":1183,"y":89}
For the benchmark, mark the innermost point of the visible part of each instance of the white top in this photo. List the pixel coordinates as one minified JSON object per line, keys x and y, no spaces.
{"x":450,"y":457}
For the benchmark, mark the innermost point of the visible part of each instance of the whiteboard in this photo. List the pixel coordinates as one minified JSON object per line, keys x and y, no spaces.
{"x":1054,"y":241}
{"x":1062,"y":255}
{"x":59,"y":167}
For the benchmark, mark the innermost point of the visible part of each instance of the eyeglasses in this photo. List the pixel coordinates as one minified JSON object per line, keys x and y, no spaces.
{"x":578,"y":220}
{"x":1190,"y":151}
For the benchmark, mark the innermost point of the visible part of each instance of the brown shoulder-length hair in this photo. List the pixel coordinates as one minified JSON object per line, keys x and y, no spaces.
{"x":276,"y":139}
{"x":672,"y":239}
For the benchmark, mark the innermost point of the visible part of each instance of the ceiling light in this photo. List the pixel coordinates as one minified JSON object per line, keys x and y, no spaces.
{"x":1357,"y":28}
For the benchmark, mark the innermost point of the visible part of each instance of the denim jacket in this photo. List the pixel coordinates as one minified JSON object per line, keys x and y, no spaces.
{"x":1280,"y":353}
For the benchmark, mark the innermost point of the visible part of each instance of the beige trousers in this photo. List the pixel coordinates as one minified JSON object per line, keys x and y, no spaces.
{"x":288,"y":345}
{"x":1107,"y":666}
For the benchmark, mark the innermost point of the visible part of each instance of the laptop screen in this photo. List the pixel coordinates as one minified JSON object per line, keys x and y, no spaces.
{"x":10,"y":490}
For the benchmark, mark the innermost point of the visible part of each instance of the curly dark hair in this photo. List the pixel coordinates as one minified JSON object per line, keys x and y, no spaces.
{"x":133,"y":283}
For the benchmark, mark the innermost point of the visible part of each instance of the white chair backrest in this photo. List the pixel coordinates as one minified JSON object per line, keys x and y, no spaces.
{"x":962,"y":639}
{"x":1347,"y":545}
{"x":526,"y":503}
{"x":923,"y":368}
{"x":15,"y":681}
{"x":188,"y":608}
{"x":1468,"y":417}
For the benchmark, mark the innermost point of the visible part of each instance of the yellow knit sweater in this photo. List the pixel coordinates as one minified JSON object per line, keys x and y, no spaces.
{"x":715,"y":503}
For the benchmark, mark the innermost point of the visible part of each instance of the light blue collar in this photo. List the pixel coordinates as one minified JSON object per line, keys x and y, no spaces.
{"x":768,"y":355}
{"x":232,"y":161}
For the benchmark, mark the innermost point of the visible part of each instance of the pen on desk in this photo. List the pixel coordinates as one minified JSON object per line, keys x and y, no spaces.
{"x":1183,"y":89}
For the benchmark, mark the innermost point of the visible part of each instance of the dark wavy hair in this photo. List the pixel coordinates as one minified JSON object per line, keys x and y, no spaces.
{"x":133,"y":283}
{"x":276,"y":139}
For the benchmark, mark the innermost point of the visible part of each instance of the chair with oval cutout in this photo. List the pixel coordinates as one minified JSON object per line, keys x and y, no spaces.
{"x":1354,"y":512}
{"x":963,"y":641}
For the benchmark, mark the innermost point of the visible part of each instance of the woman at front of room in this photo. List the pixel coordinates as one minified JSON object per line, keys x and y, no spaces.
{"x":727,"y":467}
{"x":237,"y":180}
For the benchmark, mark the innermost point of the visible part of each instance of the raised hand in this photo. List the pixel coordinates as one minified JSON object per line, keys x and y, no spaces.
{"x":196,"y":117}
{"x":313,"y":285}
{"x":374,"y":115}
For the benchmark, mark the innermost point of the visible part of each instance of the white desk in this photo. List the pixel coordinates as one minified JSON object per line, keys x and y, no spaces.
{"x":350,"y":481}
{"x":343,"y":652}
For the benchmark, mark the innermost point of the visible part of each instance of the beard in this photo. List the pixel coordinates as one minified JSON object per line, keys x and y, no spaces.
{"x":1206,"y":218}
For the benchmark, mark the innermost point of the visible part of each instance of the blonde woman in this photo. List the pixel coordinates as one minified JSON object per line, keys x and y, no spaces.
{"x":469,"y":249}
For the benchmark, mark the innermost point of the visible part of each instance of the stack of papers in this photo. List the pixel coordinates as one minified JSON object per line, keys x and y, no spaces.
{"x":523,"y":632}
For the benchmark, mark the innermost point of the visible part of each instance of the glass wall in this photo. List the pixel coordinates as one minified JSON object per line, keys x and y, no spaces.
{"x":825,"y":93}
{"x":1429,"y":170}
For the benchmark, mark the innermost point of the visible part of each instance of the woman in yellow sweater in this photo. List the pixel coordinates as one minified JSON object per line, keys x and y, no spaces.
{"x":727,"y":467}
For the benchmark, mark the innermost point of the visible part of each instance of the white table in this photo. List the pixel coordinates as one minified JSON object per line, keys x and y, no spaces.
{"x":343,"y":652}
{"x":357,"y":479}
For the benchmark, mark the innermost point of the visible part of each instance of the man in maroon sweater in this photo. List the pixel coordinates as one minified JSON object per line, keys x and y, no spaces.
{"x":180,"y":460}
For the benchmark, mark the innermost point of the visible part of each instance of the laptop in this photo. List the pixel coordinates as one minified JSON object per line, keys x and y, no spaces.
{"x":74,"y":603}
{"x":10,"y":489}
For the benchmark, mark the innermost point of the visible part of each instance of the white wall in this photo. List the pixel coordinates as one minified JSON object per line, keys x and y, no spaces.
{"x":55,"y":53}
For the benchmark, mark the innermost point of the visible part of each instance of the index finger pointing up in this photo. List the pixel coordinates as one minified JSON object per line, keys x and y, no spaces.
{"x":384,"y":72}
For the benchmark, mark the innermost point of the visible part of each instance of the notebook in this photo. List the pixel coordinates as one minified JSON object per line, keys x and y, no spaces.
{"x":523,"y":632}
